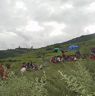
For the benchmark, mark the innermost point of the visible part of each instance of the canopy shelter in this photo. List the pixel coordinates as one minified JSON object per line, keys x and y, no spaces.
{"x":73,"y":48}
{"x":58,"y":51}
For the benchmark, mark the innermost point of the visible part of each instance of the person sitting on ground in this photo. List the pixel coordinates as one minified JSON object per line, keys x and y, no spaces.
{"x":31,"y":65}
{"x":63,"y":54}
{"x":93,"y":51}
{"x":78,"y":54}
{"x":28,"y":65}
{"x":8,"y":66}
{"x":24,"y":65}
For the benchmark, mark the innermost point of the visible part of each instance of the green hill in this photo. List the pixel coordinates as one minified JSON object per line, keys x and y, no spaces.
{"x":62,"y":79}
{"x":83,"y":41}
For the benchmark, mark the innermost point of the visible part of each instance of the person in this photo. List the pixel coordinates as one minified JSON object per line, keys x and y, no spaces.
{"x":23,"y":70}
{"x":3,"y":72}
{"x":53,"y":60}
{"x":78,"y":54}
{"x":31,"y":65}
{"x":8,"y":66}
{"x":93,"y":51}
{"x":63,"y":53}
{"x":64,"y":56}
{"x":28,"y":65}
{"x":23,"y":64}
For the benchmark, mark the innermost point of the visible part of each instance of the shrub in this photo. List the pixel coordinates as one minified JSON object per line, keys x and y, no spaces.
{"x":79,"y":80}
{"x":21,"y":86}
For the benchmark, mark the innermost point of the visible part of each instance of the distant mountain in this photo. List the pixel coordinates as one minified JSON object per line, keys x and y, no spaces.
{"x":85,"y":41}
{"x":78,"y":40}
{"x":82,"y":38}
{"x":13,"y":52}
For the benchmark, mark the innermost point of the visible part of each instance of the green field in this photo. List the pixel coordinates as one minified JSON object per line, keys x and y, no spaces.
{"x":63,"y":79}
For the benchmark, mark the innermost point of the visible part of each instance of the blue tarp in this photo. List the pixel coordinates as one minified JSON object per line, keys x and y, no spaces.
{"x":73,"y":47}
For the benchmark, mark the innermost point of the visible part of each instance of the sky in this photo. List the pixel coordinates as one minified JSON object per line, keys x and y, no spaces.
{"x":39,"y":23}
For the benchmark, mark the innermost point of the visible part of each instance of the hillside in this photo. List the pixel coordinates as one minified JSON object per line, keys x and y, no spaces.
{"x":13,"y":52}
{"x":83,"y":40}
{"x":62,"y":79}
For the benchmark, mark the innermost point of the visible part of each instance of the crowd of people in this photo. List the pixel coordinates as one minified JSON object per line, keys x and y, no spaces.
{"x":30,"y":65}
{"x":64,"y":57}
{"x":26,"y":66}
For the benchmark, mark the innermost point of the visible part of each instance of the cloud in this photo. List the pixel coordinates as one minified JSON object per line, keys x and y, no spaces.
{"x":41,"y":35}
{"x":90,"y":29}
{"x":90,"y":8}
{"x":57,"y":28}
{"x":10,"y":40}
{"x":66,"y":6}
{"x":42,"y":22}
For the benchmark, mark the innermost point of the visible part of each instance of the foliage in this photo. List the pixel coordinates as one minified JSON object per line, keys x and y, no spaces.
{"x":77,"y":78}
{"x":79,"y":81}
{"x":21,"y":86}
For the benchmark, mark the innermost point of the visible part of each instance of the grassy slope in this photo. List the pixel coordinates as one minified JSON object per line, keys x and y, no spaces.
{"x":55,"y":86}
{"x":19,"y":51}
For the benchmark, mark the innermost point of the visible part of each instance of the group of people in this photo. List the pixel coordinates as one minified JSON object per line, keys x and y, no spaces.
{"x":71,"y":57}
{"x":26,"y":66}
{"x":4,"y":69}
{"x":64,"y":57}
{"x":29,"y":65}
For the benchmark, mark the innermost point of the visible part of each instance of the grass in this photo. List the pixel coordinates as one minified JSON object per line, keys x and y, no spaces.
{"x":63,"y":79}
{"x":81,"y":72}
